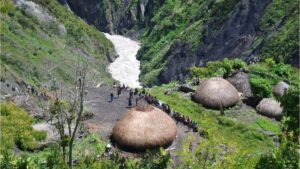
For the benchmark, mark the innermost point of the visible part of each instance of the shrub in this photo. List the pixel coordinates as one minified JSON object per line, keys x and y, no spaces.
{"x":11,"y":161}
{"x":158,"y":159}
{"x":238,"y":64}
{"x":270,"y":62}
{"x":291,"y":105}
{"x":218,"y":68}
{"x":15,"y":124}
{"x":282,"y":70}
{"x":261,"y":87}
{"x":6,"y":6}
{"x":284,"y":157}
{"x":55,"y":160}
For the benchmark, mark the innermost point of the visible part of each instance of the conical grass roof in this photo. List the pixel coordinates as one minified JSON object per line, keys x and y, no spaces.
{"x":144,"y":127}
{"x":270,"y":108}
{"x":216,"y":93}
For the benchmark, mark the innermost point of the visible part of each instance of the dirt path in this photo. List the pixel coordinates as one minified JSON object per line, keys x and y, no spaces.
{"x":107,"y":113}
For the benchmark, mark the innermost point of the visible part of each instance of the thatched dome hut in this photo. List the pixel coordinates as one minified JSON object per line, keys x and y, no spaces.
{"x":280,"y":89}
{"x":216,"y":93}
{"x":144,"y":127}
{"x":241,"y":81}
{"x":270,"y":108}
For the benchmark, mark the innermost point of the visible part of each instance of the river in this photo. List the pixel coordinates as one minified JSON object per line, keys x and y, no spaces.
{"x":126,"y":68}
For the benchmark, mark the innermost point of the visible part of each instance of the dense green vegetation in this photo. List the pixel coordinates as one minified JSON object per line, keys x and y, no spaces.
{"x":282,"y":15}
{"x":36,"y":50}
{"x":188,"y":21}
{"x":287,"y":155}
{"x":178,"y":20}
{"x":16,"y":130}
{"x":89,"y":153}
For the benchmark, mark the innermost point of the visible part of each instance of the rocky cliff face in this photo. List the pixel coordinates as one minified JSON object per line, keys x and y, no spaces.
{"x":179,"y":34}
{"x":234,"y":37}
{"x":125,"y":17}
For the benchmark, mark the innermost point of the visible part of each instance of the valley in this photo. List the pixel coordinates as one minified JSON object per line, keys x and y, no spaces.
{"x":149,"y":84}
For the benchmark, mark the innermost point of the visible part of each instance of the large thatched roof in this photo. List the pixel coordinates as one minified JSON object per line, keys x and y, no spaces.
{"x":280,"y":89}
{"x":270,"y":108}
{"x":216,"y":92}
{"x":144,"y":127}
{"x":241,"y":81}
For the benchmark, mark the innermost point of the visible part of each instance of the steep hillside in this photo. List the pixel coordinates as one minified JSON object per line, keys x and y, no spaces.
{"x":178,"y":34}
{"x":126,"y":17}
{"x":39,"y":44}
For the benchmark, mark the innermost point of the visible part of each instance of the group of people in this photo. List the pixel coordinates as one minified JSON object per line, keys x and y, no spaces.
{"x":177,"y":116}
{"x":186,"y":121}
{"x":151,"y":99}
{"x":131,"y":94}
{"x":154,"y":101}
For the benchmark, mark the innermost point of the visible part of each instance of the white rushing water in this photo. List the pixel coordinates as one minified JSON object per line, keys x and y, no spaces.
{"x":126,"y":68}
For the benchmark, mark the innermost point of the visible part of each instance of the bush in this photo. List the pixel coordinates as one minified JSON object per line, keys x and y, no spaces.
{"x":15,"y":124}
{"x":223,"y":68}
{"x":55,"y":160}
{"x":261,"y":87}
{"x":291,"y":105}
{"x":11,"y":161}
{"x":270,"y":62}
{"x":158,"y":159}
{"x":284,"y":157}
{"x":6,"y":6}
{"x":283,"y":70}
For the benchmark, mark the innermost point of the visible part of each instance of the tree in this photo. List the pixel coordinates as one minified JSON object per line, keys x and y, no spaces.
{"x":67,"y":112}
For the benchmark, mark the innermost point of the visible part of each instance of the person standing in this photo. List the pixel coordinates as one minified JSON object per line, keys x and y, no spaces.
{"x":136,"y":101}
{"x":130,"y":94}
{"x":129,"y":102}
{"x":111,"y":97}
{"x":119,"y":91}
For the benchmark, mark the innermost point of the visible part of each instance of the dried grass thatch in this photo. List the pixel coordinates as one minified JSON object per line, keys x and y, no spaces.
{"x":270,"y":108}
{"x":216,"y":93}
{"x":144,"y":127}
{"x":241,"y":81}
{"x":280,"y":89}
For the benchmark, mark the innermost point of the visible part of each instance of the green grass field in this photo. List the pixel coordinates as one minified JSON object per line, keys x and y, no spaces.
{"x":240,"y":130}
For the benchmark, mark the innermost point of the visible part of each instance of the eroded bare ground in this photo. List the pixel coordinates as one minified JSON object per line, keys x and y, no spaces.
{"x":107,"y":113}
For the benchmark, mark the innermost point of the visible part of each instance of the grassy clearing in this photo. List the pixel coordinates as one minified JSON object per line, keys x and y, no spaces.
{"x":242,"y":138}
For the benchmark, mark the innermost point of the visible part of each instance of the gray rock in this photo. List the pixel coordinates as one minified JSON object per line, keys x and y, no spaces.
{"x":280,"y":89}
{"x":241,"y":81}
{"x":186,"y":88}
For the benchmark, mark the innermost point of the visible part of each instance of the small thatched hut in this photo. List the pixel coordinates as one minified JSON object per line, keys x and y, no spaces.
{"x":144,"y":127}
{"x":270,"y":108}
{"x":216,"y":93}
{"x":241,"y":81}
{"x":280,"y":89}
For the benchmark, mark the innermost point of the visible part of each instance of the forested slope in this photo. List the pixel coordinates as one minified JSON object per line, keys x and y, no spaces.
{"x":178,"y":34}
